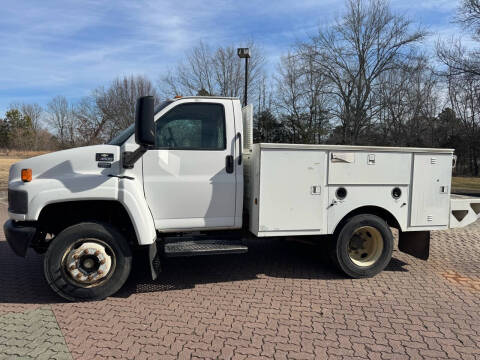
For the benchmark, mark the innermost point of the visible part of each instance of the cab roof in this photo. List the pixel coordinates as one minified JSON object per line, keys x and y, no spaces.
{"x":206,"y":97}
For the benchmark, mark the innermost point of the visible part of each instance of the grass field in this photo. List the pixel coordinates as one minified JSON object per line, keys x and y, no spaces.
{"x":459,"y":184}
{"x":466,"y":185}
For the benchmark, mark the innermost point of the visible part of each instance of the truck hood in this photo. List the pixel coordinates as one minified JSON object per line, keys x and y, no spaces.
{"x":77,"y":166}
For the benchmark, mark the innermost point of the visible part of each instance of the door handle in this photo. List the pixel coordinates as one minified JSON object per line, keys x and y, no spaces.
{"x":229,"y":164}
{"x":239,"y":135}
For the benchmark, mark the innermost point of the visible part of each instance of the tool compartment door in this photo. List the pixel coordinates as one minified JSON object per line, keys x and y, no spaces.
{"x":292,"y":191}
{"x":432,"y":177}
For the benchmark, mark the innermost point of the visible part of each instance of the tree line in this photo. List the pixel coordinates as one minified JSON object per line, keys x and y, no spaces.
{"x":364,"y":80}
{"x":95,"y":119}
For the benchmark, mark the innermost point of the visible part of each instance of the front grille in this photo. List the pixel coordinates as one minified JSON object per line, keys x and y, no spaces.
{"x":17,"y":201}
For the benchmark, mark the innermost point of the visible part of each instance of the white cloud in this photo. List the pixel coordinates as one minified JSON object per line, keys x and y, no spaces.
{"x":437,"y":5}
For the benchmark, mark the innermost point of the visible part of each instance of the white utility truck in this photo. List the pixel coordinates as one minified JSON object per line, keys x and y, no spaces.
{"x":187,"y":180}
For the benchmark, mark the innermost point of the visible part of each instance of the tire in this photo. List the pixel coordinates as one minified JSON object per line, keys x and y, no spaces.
{"x":87,"y":261}
{"x":364,"y":246}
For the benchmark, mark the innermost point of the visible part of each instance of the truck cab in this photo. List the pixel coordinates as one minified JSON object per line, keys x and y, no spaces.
{"x":193,"y":173}
{"x":186,"y":179}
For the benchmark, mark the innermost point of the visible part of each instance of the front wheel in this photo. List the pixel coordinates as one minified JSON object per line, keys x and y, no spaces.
{"x":364,"y":246}
{"x":87,"y":261}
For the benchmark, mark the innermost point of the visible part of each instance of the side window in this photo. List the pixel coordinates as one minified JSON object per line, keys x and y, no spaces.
{"x":199,"y":126}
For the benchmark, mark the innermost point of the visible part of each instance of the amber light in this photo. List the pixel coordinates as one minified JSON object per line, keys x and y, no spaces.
{"x":26,"y":175}
{"x":178,"y":97}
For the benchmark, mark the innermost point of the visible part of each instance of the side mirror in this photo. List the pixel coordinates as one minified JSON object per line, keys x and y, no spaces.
{"x":144,"y":124}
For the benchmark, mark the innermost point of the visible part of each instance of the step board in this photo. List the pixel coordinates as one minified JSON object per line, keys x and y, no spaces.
{"x":203,"y":247}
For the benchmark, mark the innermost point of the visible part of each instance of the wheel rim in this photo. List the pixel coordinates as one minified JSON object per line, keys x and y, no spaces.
{"x":89,"y":262}
{"x":365,"y":246}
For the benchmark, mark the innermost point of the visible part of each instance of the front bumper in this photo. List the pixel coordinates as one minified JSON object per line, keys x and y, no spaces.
{"x":19,"y":236}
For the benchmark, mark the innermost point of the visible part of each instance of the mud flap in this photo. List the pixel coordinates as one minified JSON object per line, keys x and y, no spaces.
{"x":415,"y":243}
{"x":154,"y":260}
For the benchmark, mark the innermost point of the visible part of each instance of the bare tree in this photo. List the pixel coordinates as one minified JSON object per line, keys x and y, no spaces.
{"x":35,"y":113}
{"x":265,"y":94}
{"x":116,"y":105}
{"x":213,"y":72}
{"x":288,"y":96}
{"x":468,"y":15}
{"x":464,"y":94}
{"x":462,"y":75}
{"x":408,"y":104}
{"x":302,"y":99}
{"x":90,"y":122}
{"x":365,"y":42}
{"x":228,"y":71}
{"x":456,"y":57}
{"x":60,"y":117}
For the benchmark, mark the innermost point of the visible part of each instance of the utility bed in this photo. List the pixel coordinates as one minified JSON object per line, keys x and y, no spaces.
{"x":308,"y":189}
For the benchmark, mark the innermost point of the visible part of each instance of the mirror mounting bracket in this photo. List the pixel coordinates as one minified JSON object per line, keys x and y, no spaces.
{"x":131,"y":157}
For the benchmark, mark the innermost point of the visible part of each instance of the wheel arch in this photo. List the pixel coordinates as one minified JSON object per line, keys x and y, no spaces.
{"x":56,"y":216}
{"x":381,"y":212}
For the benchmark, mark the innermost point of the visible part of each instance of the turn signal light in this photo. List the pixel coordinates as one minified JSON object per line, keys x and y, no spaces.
{"x":178,"y":97}
{"x":26,"y":175}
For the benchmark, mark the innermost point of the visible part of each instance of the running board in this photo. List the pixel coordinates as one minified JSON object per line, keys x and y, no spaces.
{"x":203,"y":247}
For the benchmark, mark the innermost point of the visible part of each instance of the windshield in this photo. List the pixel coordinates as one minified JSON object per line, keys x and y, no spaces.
{"x":125,"y":134}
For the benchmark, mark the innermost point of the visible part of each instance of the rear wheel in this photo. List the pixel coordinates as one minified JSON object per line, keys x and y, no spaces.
{"x":364,"y":246}
{"x":87,"y":261}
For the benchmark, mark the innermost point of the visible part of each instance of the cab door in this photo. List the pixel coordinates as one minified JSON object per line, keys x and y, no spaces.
{"x":189,"y":178}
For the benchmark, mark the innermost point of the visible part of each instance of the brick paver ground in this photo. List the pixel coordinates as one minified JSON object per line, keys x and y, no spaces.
{"x":282,"y":299}
{"x":32,"y":334}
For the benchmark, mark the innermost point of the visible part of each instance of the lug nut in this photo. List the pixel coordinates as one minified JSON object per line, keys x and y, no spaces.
{"x":100,"y":272}
{"x":102,"y":261}
{"x":72,"y":267}
{"x":97,"y":253}
{"x":79,"y":276}
{"x":90,"y":277}
{"x":75,"y":256}
{"x":85,"y":251}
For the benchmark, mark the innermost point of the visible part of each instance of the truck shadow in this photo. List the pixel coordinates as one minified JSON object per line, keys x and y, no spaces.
{"x":22,"y":282}
{"x":266,"y":259}
{"x":75,"y":181}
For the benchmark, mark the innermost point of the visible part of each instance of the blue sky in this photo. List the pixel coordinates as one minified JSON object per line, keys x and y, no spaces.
{"x":65,"y":47}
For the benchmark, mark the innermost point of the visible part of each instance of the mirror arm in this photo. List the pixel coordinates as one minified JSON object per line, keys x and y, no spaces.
{"x":131,"y":157}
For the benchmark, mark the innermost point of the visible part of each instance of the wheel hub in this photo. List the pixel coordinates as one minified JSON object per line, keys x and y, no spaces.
{"x":88,"y":263}
{"x":365,"y":246}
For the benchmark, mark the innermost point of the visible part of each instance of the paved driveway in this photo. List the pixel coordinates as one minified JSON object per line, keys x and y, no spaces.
{"x":282,"y":300}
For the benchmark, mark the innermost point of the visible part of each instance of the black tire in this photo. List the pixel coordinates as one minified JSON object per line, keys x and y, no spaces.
{"x":342,"y":256}
{"x":64,"y":284}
